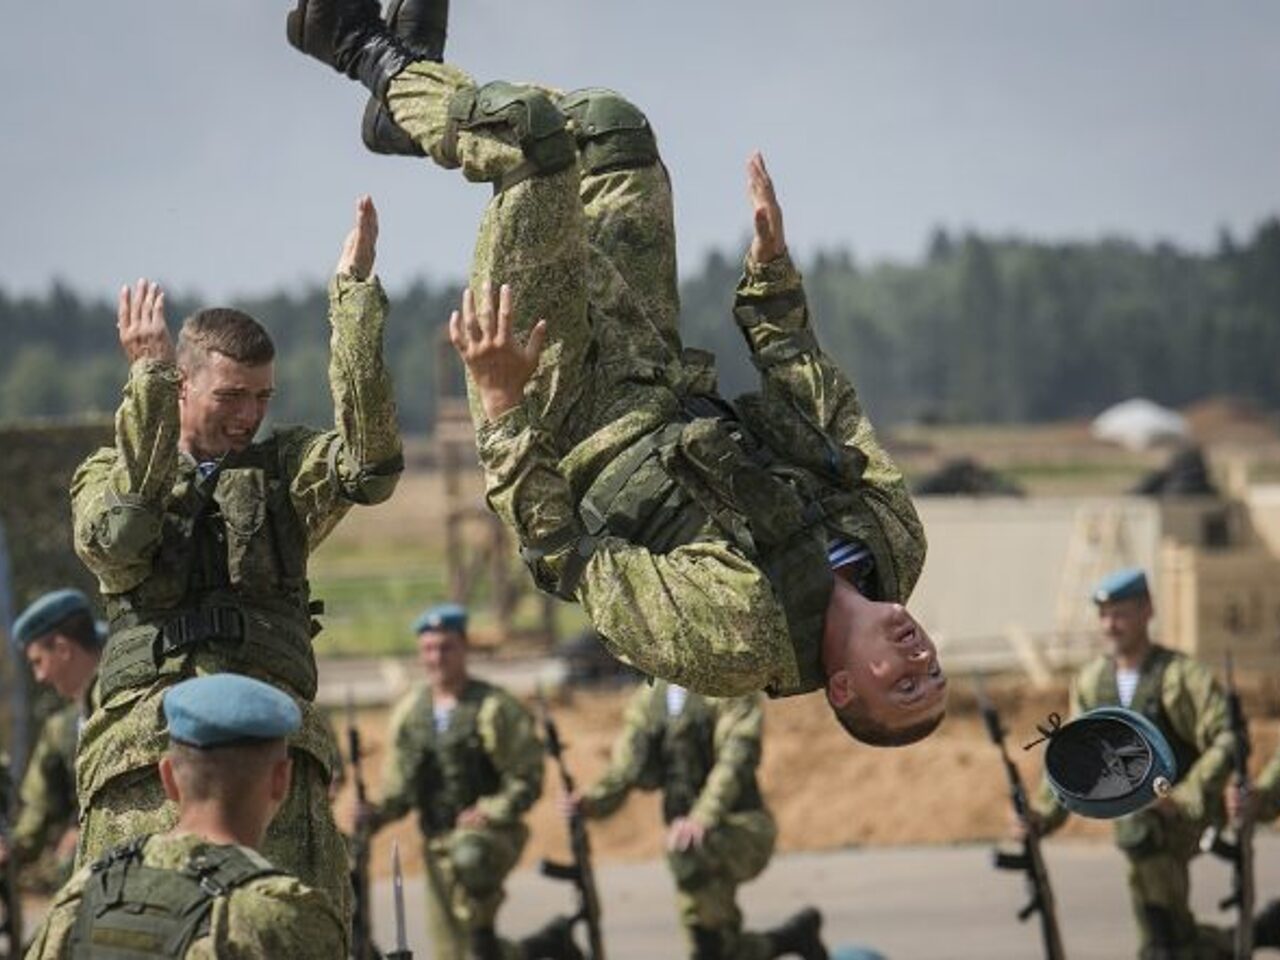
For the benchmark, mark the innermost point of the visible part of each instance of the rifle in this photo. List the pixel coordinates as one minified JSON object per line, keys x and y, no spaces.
{"x":11,"y":924}
{"x":1029,"y":861}
{"x":362,"y":947}
{"x":1240,"y":853}
{"x":579,"y":873}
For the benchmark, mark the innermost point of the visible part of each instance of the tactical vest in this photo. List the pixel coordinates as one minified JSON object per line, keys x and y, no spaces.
{"x":686,"y":750}
{"x":1147,"y":701}
{"x":130,"y":910}
{"x":453,"y":768}
{"x":767,"y":479}
{"x":227,"y":587}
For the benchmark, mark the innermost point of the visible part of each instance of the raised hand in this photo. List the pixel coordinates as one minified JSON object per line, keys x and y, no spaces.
{"x":360,"y":247}
{"x":769,"y":241}
{"x":499,"y":364}
{"x":140,"y":321}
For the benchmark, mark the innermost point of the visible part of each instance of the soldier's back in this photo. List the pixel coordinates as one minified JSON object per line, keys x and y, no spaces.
{"x":259,"y":911}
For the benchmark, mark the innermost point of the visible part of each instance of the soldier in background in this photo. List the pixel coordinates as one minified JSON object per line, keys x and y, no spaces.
{"x":1265,"y":799}
{"x":1183,"y":699}
{"x":702,"y":753}
{"x":465,"y":755}
{"x":202,"y":889}
{"x":63,"y":644}
{"x":199,"y":536}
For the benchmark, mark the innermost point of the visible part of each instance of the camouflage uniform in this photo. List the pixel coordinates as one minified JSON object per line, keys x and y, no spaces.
{"x":621,"y":435}
{"x":272,"y":916}
{"x":47,"y":798}
{"x":1184,"y":700}
{"x":200,"y":583}
{"x":488,"y":756}
{"x":1267,"y":789}
{"x":704,"y":760}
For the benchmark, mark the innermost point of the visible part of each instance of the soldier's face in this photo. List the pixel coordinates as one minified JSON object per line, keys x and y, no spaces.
{"x":1124,"y":623}
{"x":51,"y":663}
{"x":443,"y":655}
{"x":222,"y":404}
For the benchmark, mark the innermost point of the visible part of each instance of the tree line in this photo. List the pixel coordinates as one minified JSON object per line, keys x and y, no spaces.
{"x":981,"y":329}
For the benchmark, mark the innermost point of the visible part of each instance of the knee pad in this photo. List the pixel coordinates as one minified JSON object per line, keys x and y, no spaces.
{"x":611,"y":132}
{"x":533,"y":119}
{"x":474,"y":865}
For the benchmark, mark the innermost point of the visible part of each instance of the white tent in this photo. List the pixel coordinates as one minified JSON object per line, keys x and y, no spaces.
{"x":1139,"y":424}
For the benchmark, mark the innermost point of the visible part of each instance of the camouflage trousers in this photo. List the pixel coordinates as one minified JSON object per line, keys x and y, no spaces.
{"x":302,"y":839}
{"x":1159,"y":853}
{"x":465,"y":873}
{"x":707,"y":880}
{"x":592,"y":253}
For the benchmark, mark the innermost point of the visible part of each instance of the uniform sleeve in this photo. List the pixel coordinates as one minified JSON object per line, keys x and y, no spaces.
{"x":739,"y":727}
{"x":1197,"y":708}
{"x":702,"y":615}
{"x":360,"y":460}
{"x":1268,"y":791}
{"x":118,"y":494}
{"x":47,"y":794}
{"x":771,"y":310}
{"x":278,"y":917}
{"x":52,"y":938}
{"x":400,"y":763}
{"x":507,"y":731}
{"x":628,"y":761}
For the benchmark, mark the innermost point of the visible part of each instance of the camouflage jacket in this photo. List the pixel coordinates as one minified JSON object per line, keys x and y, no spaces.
{"x":703,"y":613}
{"x":131,"y":502}
{"x":439,"y":774}
{"x":1193,"y":705}
{"x":272,"y":916}
{"x":48,"y":793}
{"x":1268,"y":790}
{"x":704,"y":759}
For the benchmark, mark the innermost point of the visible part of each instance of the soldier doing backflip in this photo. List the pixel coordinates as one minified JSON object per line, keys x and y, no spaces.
{"x":766,"y":544}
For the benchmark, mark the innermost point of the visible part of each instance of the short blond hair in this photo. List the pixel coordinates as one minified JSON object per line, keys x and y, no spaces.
{"x":232,"y":333}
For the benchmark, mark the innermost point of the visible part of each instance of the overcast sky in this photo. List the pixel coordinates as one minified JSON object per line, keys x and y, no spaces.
{"x":187,"y":141}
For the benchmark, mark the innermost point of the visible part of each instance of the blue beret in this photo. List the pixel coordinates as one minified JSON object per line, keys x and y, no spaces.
{"x":225,"y":708}
{"x":850,"y":952}
{"x":40,"y":619}
{"x":1109,"y":762}
{"x":1121,"y":585}
{"x":443,"y":616}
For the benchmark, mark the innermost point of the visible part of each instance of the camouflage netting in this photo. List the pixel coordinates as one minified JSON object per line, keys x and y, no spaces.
{"x":35,"y":473}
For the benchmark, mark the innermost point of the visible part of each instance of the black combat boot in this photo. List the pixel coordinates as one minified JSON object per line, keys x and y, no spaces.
{"x":552,"y":942}
{"x":485,"y":945}
{"x":706,"y":944}
{"x":349,"y":36}
{"x":800,"y":935}
{"x":1266,"y":927}
{"x":422,"y":26}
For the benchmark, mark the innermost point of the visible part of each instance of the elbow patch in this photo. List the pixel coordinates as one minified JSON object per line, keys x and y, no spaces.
{"x":128,"y":526}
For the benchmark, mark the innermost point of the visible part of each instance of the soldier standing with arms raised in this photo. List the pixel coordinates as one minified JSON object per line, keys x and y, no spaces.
{"x":465,"y":755}
{"x":1182,"y":698}
{"x":702,"y":753}
{"x":199,"y":536}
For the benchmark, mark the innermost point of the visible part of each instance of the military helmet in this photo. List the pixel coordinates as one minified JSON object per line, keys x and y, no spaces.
{"x":1109,"y":762}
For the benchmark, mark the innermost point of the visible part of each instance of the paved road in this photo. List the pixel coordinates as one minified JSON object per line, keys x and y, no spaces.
{"x":918,"y":903}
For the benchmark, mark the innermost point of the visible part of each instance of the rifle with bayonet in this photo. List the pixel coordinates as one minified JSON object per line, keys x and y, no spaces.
{"x":580,"y":872}
{"x":1029,"y":861}
{"x":402,"y":951}
{"x":362,"y":947}
{"x":1239,"y":850}
{"x":10,"y":902}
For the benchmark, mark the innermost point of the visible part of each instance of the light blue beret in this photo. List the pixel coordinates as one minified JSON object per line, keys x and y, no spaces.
{"x":443,"y":616}
{"x":225,"y":708}
{"x":1109,"y":762}
{"x":856,"y":953}
{"x":46,"y":613}
{"x":1121,"y":585}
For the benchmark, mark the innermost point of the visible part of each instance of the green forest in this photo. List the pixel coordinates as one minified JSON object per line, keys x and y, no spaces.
{"x":981,"y":329}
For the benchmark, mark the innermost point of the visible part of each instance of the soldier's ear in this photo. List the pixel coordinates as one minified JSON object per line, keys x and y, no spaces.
{"x":167,"y":779}
{"x":840,"y":689}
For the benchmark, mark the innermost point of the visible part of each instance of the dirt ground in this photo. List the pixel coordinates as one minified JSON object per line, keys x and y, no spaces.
{"x":825,"y":791}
